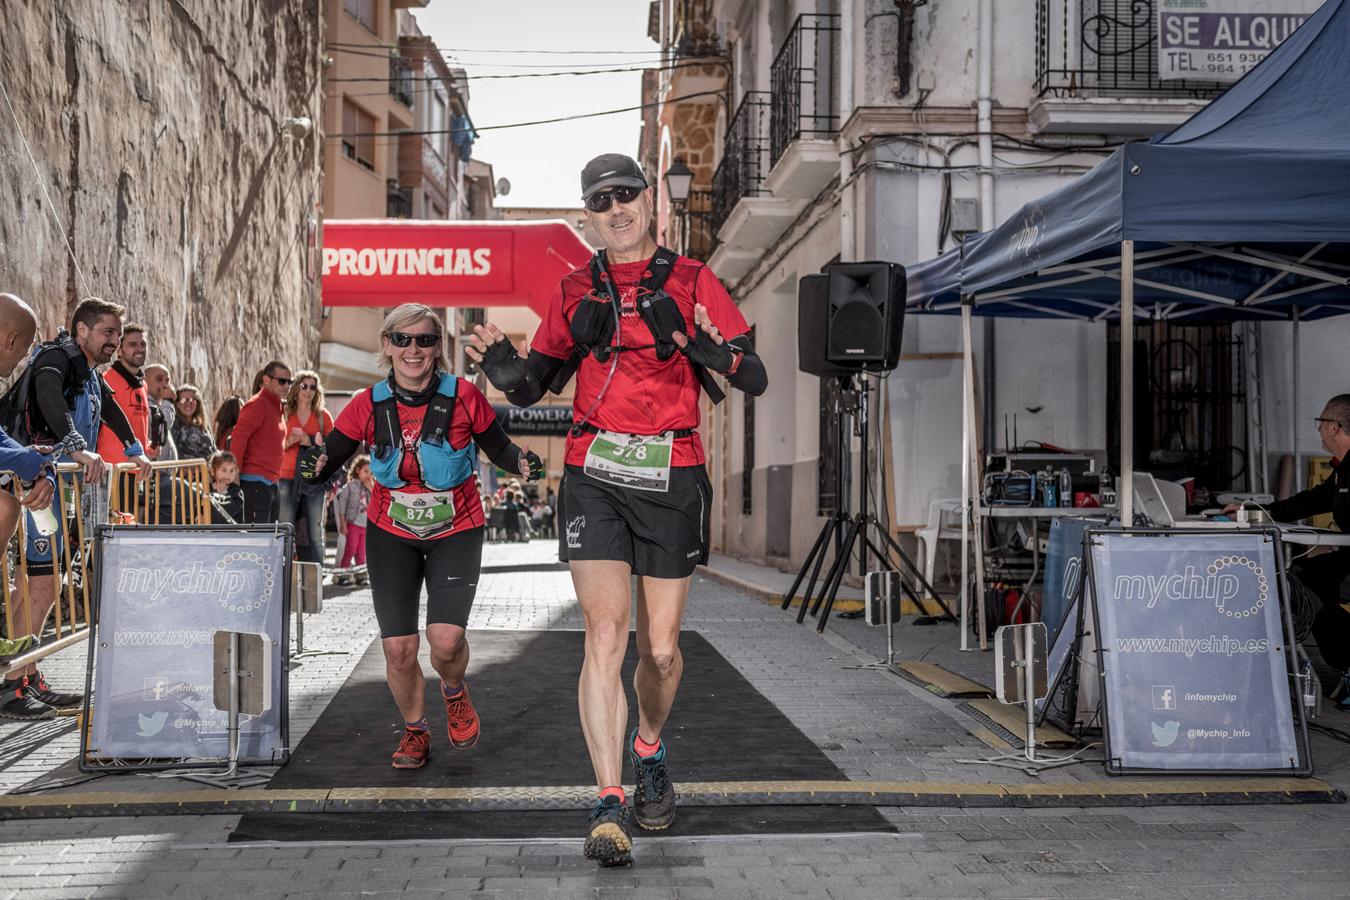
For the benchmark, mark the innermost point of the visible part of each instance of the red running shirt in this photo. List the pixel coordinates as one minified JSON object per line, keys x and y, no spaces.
{"x":472,"y":414}
{"x":647,"y":396}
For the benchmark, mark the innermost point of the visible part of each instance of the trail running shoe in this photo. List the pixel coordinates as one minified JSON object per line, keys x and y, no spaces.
{"x":40,"y":690}
{"x":12,"y":647}
{"x":18,"y":703}
{"x":609,"y":840}
{"x":463,"y":720}
{"x":654,"y":795}
{"x":413,"y":749}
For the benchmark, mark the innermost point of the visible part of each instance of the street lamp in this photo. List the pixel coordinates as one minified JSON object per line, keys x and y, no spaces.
{"x":679,"y":179}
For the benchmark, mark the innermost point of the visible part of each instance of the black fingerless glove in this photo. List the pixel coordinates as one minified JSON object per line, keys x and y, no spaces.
{"x":709,"y":354}
{"x":536,"y":465}
{"x":503,"y":366}
{"x":592,"y":324}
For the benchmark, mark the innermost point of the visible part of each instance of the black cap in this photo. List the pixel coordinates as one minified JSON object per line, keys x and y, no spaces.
{"x":610,"y":170}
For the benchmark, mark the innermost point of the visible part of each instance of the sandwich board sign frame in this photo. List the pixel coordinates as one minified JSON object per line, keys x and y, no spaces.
{"x":161,"y":595}
{"x":1195,"y":652}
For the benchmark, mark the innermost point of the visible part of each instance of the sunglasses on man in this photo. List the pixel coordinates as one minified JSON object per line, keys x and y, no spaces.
{"x":281,"y":381}
{"x":602,"y":201}
{"x":403,"y":339}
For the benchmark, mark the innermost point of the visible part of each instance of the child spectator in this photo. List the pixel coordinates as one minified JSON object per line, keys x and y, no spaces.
{"x":352,"y":501}
{"x":228,"y":495}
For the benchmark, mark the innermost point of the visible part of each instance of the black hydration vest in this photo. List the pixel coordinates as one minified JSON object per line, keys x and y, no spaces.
{"x":16,"y":419}
{"x":650,"y":293}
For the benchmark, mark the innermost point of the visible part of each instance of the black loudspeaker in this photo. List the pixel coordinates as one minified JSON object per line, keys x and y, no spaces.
{"x":850,"y":319}
{"x":813,"y":316}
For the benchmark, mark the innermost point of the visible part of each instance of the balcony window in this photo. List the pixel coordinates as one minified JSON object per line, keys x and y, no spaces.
{"x":358,"y":141}
{"x":745,"y":156}
{"x":804,"y":83}
{"x":401,"y":81}
{"x":399,"y":202}
{"x":1104,"y":48}
{"x":363,"y":11}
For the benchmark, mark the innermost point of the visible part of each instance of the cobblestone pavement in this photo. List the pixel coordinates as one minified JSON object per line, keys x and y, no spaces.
{"x":873,"y":725}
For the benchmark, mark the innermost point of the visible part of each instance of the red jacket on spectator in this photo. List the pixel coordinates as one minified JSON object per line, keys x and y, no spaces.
{"x":129,"y":392}
{"x":257,"y":438}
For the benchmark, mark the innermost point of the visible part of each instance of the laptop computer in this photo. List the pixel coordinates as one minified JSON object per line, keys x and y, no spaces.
{"x":1164,"y":502}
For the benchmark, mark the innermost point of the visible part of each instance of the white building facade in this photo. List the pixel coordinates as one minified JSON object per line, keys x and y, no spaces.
{"x":885,"y":130}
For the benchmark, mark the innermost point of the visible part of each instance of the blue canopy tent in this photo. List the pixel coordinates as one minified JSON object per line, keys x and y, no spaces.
{"x":1240,"y":213}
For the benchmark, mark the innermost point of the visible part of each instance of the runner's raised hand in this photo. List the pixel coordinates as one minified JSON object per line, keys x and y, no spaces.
{"x":483,"y":338}
{"x":704,"y":323}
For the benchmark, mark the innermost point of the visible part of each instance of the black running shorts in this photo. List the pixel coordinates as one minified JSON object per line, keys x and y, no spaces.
{"x":399,"y":565}
{"x":664,"y":535}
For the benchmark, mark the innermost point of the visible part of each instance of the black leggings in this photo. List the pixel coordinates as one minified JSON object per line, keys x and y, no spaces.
{"x":398,"y":566}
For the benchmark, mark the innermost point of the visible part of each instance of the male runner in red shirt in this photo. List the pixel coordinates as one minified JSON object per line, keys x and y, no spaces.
{"x":644,"y":329}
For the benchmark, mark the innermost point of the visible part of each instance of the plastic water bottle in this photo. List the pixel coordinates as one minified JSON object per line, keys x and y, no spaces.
{"x":1309,"y":679}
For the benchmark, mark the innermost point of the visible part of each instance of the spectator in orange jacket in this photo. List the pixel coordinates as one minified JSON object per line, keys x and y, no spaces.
{"x":256,"y":444}
{"x":126,"y":380}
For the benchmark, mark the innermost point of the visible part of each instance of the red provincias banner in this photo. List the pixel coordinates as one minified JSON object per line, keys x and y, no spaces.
{"x":385,"y":262}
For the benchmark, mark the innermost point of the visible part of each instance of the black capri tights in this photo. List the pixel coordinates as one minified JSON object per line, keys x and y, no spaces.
{"x":399,"y":565}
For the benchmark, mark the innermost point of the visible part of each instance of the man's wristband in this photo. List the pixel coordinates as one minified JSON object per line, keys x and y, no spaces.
{"x":737,"y":356}
{"x":134,"y":449}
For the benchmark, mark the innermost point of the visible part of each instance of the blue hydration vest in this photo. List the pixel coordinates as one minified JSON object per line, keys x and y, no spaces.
{"x":443,"y":467}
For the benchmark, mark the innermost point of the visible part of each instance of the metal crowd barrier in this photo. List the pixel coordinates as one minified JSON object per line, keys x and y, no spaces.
{"x":178,"y":492}
{"x":71,"y":609}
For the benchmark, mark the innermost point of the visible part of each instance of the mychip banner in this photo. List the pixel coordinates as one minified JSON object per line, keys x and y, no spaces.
{"x":1194,"y":670}
{"x":1220,"y":40}
{"x":162,"y":594}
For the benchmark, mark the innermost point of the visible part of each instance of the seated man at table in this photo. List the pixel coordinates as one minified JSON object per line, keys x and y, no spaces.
{"x":1323,"y":574}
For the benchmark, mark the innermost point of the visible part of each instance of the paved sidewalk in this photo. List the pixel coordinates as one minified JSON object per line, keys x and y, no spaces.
{"x":871,"y":724}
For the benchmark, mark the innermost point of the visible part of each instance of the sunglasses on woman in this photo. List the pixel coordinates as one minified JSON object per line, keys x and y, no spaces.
{"x":403,"y":339}
{"x":602,"y":201}
{"x":309,"y":386}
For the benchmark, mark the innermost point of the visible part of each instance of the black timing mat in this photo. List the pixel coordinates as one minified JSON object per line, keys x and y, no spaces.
{"x":524,"y":686}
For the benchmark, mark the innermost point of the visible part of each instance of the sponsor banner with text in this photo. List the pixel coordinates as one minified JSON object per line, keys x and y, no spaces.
{"x":1193,"y":657}
{"x":163,"y":595}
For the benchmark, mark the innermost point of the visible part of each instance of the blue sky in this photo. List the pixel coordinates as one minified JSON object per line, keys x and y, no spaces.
{"x":543,"y":162}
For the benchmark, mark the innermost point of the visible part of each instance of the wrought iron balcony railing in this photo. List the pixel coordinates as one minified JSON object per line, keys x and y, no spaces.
{"x":700,"y":238}
{"x":401,"y":81}
{"x":1104,"y":48}
{"x":804,"y":83}
{"x":398,"y":201}
{"x":745,"y":157}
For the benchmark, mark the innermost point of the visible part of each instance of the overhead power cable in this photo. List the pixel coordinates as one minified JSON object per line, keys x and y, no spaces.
{"x":493,"y":65}
{"x":647,"y":52}
{"x":478,"y":128}
{"x":471,"y":77}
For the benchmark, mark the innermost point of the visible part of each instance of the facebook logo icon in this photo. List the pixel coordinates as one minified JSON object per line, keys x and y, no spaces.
{"x":1164,"y":696}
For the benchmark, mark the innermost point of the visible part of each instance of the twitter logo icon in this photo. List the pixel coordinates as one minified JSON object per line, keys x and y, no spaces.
{"x":153,"y":725}
{"x":1165,"y":735}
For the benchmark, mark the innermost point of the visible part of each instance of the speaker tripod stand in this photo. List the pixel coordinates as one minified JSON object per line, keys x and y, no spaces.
{"x":862,"y":529}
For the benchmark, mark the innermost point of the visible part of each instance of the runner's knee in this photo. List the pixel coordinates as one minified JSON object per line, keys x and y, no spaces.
{"x":401,"y":652}
{"x":663,"y":661}
{"x":607,"y":637}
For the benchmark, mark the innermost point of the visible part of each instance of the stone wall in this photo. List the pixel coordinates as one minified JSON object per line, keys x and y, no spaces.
{"x":155,"y":125}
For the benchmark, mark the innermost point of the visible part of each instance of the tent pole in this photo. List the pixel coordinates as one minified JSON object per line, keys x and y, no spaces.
{"x":1125,"y":490}
{"x":966,"y":518}
{"x":1293,"y":414}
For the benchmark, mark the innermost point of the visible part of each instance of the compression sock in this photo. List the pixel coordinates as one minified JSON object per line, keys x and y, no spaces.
{"x":451,"y":694}
{"x":642,"y":748}
{"x":420,"y":725}
{"x":613,"y":791}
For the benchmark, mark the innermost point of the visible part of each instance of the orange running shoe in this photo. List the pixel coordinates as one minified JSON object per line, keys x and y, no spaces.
{"x":413,"y":749}
{"x":463,"y":719}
